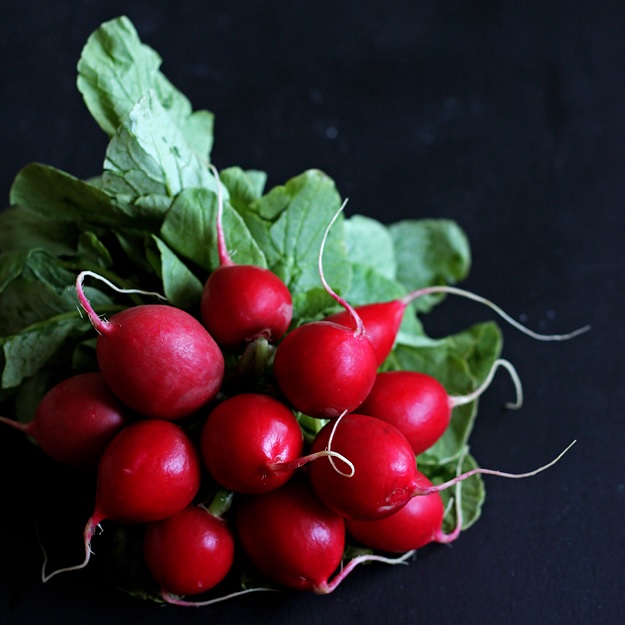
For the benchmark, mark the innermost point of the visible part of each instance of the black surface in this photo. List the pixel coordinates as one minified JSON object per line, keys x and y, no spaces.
{"x":505,"y":116}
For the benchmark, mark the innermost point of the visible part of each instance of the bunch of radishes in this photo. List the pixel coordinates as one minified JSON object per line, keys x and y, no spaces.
{"x":183,"y":406}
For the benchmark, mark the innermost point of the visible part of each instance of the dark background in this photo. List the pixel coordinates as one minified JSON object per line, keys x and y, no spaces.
{"x":504,"y":116}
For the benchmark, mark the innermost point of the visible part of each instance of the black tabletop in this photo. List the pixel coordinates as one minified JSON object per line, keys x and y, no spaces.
{"x":506,"y":117}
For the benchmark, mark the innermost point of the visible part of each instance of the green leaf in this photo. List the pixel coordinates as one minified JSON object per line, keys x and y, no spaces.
{"x":312,"y":304}
{"x":190,"y":230}
{"x":368,"y":286}
{"x":370,"y":243}
{"x":35,"y":346}
{"x":428,"y":252}
{"x":149,"y":155}
{"x":116,"y":70}
{"x":289,"y":222}
{"x":34,"y":285}
{"x":59,"y":196}
{"x":181,"y":287}
{"x":25,"y":229}
{"x":244,"y":187}
{"x":92,"y":252}
{"x":472,"y":492}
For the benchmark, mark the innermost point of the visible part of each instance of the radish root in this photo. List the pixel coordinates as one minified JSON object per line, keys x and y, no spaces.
{"x":360,"y":326}
{"x":328,"y":587}
{"x":451,"y":290}
{"x":99,"y":324}
{"x":88,"y":534}
{"x":176,"y":600}
{"x":222,"y":250}
{"x":480,"y":471}
{"x":460,"y":400}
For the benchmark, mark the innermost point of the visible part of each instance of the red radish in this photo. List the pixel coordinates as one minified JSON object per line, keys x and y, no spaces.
{"x":149,"y":471}
{"x":415,"y":525}
{"x":248,"y":441}
{"x":384,"y":467}
{"x":383,"y":319}
{"x":252,"y":443}
{"x":323,"y":368}
{"x":75,"y":420}
{"x":385,"y":473}
{"x":419,"y":406}
{"x":291,"y":537}
{"x":158,"y":359}
{"x":241,"y":303}
{"x":190,"y":552}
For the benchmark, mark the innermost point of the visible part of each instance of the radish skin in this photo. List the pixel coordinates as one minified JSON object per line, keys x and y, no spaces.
{"x":149,"y":471}
{"x":420,"y":407}
{"x":75,"y":420}
{"x":158,"y":359}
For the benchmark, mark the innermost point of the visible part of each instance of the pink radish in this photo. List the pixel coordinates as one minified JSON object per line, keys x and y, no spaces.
{"x":323,"y":368}
{"x":293,"y":539}
{"x":419,"y":406}
{"x":415,"y":525}
{"x":247,"y":442}
{"x":252,"y":443}
{"x":382,"y":320}
{"x":385,"y":473}
{"x":75,"y":420}
{"x":189,"y":552}
{"x":149,"y":471}
{"x":158,"y":359}
{"x":241,"y":303}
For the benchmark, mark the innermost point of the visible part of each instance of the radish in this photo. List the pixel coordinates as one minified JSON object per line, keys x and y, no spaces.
{"x":247,"y":442}
{"x":415,"y":525}
{"x":149,"y":471}
{"x":158,"y":359}
{"x":419,"y":406}
{"x":189,"y":552}
{"x":382,"y":320}
{"x":323,"y":368}
{"x":75,"y":420}
{"x":293,"y":539}
{"x":241,"y":303}
{"x":252,"y":443}
{"x":385,"y":474}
